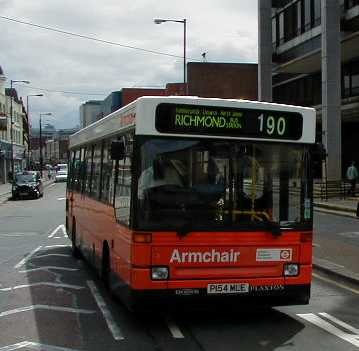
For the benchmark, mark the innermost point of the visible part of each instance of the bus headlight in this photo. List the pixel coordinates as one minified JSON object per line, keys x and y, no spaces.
{"x":291,"y":270}
{"x":159,"y":273}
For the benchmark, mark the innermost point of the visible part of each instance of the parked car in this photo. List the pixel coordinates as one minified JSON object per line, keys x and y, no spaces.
{"x":61,"y":172}
{"x":27,"y":184}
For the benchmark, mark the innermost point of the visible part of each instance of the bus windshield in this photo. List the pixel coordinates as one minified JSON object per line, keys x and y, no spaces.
{"x":205,"y":184}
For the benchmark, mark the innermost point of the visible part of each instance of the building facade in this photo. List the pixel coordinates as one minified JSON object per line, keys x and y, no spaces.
{"x":19,"y":140}
{"x":89,"y":112}
{"x":309,"y":56}
{"x":55,"y":145}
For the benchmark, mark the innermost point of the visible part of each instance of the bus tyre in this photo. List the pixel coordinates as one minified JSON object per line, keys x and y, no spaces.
{"x":105,"y":267}
{"x":75,"y":250}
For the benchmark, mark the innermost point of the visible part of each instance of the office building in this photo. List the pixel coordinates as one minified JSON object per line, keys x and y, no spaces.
{"x":309,"y":56}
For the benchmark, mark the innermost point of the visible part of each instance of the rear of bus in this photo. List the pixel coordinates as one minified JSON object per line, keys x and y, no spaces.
{"x":221,"y":205}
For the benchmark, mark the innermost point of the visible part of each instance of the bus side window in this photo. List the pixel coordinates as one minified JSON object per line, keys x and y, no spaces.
{"x":84,"y":174}
{"x":89,"y":170}
{"x":96,"y":171}
{"x":76,"y":171}
{"x":108,"y":173}
{"x":124,"y":183}
{"x":71,"y":170}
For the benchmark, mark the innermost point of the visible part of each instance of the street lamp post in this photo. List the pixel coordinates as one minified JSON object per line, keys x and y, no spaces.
{"x":28,"y":121}
{"x":184,"y":22}
{"x":41,"y":159}
{"x":12,"y":127}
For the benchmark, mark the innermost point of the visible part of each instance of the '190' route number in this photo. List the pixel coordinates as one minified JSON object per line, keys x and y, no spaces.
{"x":271,"y":125}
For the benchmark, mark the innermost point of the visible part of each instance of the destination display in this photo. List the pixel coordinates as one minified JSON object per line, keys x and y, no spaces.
{"x":230,"y":122}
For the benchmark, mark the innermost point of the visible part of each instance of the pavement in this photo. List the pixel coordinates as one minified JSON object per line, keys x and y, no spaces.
{"x":338,"y":255}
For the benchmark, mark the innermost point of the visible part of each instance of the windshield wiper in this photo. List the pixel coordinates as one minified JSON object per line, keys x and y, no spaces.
{"x":184,"y":229}
{"x":274,"y":227}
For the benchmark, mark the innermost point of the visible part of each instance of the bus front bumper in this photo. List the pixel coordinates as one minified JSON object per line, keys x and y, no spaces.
{"x":261,"y":296}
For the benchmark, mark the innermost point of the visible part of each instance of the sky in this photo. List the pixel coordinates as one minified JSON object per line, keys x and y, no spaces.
{"x":59,"y":65}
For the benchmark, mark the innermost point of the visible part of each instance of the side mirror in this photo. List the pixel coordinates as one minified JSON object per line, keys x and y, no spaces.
{"x":117,"y":150}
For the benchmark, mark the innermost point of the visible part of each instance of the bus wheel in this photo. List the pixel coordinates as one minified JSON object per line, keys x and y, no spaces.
{"x":105,"y":266}
{"x":75,"y":250}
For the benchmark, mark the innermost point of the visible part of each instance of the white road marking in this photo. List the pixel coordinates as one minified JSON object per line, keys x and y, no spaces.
{"x":321,"y":323}
{"x":335,"y":283}
{"x":56,"y":285}
{"x":51,"y":185}
{"x":57,"y":237}
{"x":26,"y":258}
{"x":114,"y":328}
{"x":61,"y":226}
{"x":350,"y":234}
{"x":47,"y":255}
{"x":61,"y":198}
{"x":17,"y":346}
{"x":315,"y":245}
{"x":34,"y":346}
{"x":45,"y":307}
{"x":51,"y":246}
{"x":174,"y":329}
{"x":19,"y":234}
{"x":339,"y":322}
{"x":49,"y":267}
{"x":329,"y":263}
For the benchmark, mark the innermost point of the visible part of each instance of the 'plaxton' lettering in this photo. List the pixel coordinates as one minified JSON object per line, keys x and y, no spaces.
{"x":212,"y":256}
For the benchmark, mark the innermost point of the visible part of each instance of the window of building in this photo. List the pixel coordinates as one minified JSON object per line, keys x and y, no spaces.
{"x":351,"y":3}
{"x":307,"y":15}
{"x":346,"y":91}
{"x":350,"y":79}
{"x":299,"y":18}
{"x":290,"y":22}
{"x":316,"y":12}
{"x":274,"y":32}
{"x":281,"y":28}
{"x":305,"y":91}
{"x":354,"y":80}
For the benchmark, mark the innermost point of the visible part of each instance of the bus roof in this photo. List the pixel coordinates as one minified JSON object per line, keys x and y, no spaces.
{"x":189,"y":116}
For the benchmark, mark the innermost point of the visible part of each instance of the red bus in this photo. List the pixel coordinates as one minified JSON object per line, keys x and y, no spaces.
{"x":196,"y":199}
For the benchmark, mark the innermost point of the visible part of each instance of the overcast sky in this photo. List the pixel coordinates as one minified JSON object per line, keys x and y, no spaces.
{"x":225,"y":29}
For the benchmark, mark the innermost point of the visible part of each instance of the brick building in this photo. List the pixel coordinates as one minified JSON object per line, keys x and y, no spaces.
{"x":223,"y":80}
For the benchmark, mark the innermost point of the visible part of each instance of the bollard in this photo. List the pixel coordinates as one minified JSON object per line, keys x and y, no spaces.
{"x":358,"y":210}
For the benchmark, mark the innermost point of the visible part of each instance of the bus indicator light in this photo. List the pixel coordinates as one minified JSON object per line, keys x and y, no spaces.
{"x":142,"y":238}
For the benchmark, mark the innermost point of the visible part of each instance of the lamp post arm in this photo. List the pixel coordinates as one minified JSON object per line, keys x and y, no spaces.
{"x":12,"y":137}
{"x":41,"y":161}
{"x":184,"y":57}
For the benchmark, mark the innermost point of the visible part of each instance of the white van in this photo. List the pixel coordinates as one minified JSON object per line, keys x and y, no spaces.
{"x":61,"y":172}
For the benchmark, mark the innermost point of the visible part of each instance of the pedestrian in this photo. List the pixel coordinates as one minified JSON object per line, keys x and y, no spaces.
{"x":352,"y":176}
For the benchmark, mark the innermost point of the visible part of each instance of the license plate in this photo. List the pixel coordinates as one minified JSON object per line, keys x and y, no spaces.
{"x":228,"y":288}
{"x":24,"y":194}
